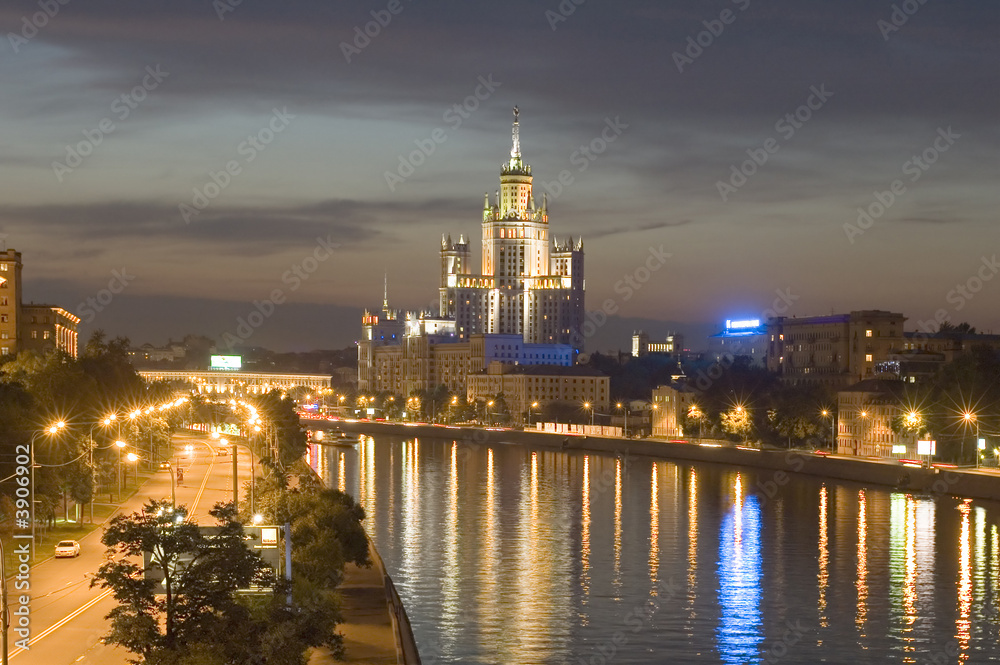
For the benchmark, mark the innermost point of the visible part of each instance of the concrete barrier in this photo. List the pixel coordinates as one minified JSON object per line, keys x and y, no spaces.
{"x":966,"y":483}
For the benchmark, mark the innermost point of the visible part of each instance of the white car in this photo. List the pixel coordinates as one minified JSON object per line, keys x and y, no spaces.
{"x":69,"y":548}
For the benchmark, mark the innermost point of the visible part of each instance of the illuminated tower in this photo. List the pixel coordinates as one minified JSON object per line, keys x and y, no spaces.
{"x":530,"y":285}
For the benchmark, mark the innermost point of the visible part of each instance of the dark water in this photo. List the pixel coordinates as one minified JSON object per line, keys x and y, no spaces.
{"x":507,"y":555}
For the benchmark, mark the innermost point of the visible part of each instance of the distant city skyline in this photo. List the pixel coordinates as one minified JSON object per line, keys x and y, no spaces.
{"x":809,"y":156}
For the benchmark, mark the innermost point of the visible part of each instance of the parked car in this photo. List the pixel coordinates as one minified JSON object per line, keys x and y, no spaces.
{"x":222,"y":451}
{"x":67,"y":548}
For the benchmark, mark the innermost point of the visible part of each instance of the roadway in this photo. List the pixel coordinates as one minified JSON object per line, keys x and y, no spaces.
{"x":67,"y":615}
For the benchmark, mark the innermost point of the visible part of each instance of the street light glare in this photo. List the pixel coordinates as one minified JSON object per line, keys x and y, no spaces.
{"x":120,"y":444}
{"x":132,"y":457}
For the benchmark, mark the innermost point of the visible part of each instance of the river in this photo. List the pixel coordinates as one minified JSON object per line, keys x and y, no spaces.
{"x":505,"y":554}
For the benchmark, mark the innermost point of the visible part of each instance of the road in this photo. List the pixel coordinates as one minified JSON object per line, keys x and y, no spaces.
{"x":67,"y":615}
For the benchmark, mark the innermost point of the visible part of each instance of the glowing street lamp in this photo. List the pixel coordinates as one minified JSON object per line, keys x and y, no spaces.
{"x":50,"y":430}
{"x":970,"y":418}
{"x":120,"y":444}
{"x":589,"y":407}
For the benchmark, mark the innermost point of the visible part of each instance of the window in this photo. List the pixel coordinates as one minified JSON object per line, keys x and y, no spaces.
{"x":34,"y":334}
{"x":46,"y":334}
{"x":3,"y":267}
{"x":868,"y":357}
{"x":868,"y":333}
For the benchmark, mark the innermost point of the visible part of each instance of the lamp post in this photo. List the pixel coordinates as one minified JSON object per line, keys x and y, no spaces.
{"x":625,"y":409}
{"x":534,"y":405}
{"x":120,"y":444}
{"x":93,"y":472}
{"x":590,"y":407}
{"x":971,"y":418}
{"x":132,"y":457}
{"x":50,"y":430}
{"x":833,"y":430}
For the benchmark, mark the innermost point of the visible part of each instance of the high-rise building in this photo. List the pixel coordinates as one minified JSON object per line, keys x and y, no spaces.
{"x":531,"y":284}
{"x":525,"y":307}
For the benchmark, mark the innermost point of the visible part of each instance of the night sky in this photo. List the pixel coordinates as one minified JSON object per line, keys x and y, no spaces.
{"x":666,"y":120}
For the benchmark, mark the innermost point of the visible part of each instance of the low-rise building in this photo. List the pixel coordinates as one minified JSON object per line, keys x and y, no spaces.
{"x":237,"y":383}
{"x":523,"y":385}
{"x":866,"y":415}
{"x":672,"y":403}
{"x":641,"y":344}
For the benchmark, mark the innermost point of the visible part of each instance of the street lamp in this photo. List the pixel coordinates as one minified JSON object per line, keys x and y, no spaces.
{"x":971,"y":418}
{"x":625,"y":409}
{"x":50,"y":430}
{"x":93,"y":480}
{"x":534,"y":405}
{"x":590,"y":407}
{"x":121,"y":444}
{"x":132,"y":457}
{"x":833,"y":429}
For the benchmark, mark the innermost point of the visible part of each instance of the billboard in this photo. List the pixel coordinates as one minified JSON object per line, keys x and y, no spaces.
{"x":926,"y":447}
{"x":226,"y":362}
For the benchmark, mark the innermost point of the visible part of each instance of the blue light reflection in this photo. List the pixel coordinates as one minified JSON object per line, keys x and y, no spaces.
{"x":740,"y":629}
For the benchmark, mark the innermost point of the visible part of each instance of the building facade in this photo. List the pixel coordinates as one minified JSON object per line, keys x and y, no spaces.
{"x":525,"y":306}
{"x":641,"y":345}
{"x":523,"y":385}
{"x":530,"y":284}
{"x":866,"y":413}
{"x":837,"y":350}
{"x":30,"y":327}
{"x":672,"y":403}
{"x":237,"y":383}
{"x":747,"y":338}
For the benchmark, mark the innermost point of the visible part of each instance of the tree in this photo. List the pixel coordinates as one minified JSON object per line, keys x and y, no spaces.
{"x":201,"y":576}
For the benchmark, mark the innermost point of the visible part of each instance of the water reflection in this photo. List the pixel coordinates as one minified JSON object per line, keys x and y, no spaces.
{"x":823,"y":576}
{"x":502,"y":557}
{"x":739,"y":632}
{"x":862,"y":582}
{"x":654,"y":531}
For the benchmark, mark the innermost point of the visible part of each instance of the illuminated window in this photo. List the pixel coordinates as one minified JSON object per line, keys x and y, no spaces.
{"x":868,"y":357}
{"x":868,"y":333}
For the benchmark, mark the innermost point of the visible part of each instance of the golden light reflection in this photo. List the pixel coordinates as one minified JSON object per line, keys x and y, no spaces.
{"x":963,"y":625}
{"x":994,"y":557}
{"x":692,"y":545}
{"x":618,"y":528}
{"x":361,"y":475}
{"x":341,"y":472}
{"x":823,"y":577}
{"x":910,"y":565}
{"x":451,"y":600}
{"x":654,"y":531}
{"x":489,"y":596}
{"x":585,"y":533}
{"x":861,"y":617}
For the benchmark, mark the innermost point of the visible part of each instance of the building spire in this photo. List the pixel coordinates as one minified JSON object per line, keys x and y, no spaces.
{"x":515,"y":149}
{"x":385,"y":296}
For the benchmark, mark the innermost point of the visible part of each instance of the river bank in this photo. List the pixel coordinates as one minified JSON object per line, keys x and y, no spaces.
{"x":966,"y":483}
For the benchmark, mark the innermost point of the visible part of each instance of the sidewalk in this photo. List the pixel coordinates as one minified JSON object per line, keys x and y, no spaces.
{"x":368,"y":631}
